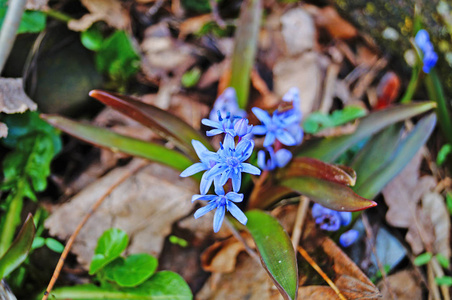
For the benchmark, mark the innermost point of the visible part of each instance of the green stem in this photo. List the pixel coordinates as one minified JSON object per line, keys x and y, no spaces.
{"x":436,"y":93}
{"x":12,"y":219}
{"x":412,"y":85}
{"x":57,"y":15}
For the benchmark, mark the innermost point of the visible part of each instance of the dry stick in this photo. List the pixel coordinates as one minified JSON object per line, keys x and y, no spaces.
{"x":299,"y":221}
{"x":321,"y":273}
{"x":71,"y":240}
{"x":237,"y":235}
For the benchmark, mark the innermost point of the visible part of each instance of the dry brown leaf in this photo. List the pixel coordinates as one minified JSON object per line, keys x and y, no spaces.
{"x":402,"y":196}
{"x":298,"y":31}
{"x":316,"y":292}
{"x":109,"y":11}
{"x":3,"y":130}
{"x":13,"y":98}
{"x":402,"y":286}
{"x":435,"y":208}
{"x":329,"y":19}
{"x":145,"y":206}
{"x":248,"y":281}
{"x":302,"y":72}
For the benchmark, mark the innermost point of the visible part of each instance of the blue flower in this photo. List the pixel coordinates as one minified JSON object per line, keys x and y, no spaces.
{"x":348,"y":238}
{"x":230,"y":163}
{"x":274,"y":127}
{"x":422,"y":40}
{"x":329,"y":219}
{"x":226,"y":103}
{"x":242,"y":128}
{"x":276,"y":160}
{"x":221,"y":203}
{"x":223,"y":125}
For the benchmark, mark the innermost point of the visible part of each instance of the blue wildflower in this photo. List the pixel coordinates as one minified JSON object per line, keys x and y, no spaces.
{"x":273,"y":128}
{"x":348,"y":238}
{"x":276,"y":160}
{"x":230,"y":163}
{"x":223,"y":125}
{"x":242,"y":128}
{"x":221,"y":203}
{"x":422,"y":40}
{"x":226,"y":103}
{"x":329,"y":219}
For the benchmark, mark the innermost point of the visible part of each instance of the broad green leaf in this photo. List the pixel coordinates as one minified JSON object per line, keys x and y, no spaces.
{"x":164,"y":285}
{"x":445,"y":280}
{"x":400,"y":158}
{"x":135,"y":269}
{"x":317,"y":121}
{"x":422,"y":259}
{"x":92,"y":38}
{"x":327,"y":193}
{"x":276,"y":251}
{"x":245,"y":47}
{"x":116,"y":142}
{"x":19,"y":249}
{"x":38,"y":242}
{"x":443,"y":261}
{"x":117,"y":57}
{"x":328,"y":149}
{"x":310,"y":167}
{"x":165,"y":124}
{"x":54,"y":245}
{"x":109,"y":246}
{"x":377,"y":152}
{"x":31,"y":22}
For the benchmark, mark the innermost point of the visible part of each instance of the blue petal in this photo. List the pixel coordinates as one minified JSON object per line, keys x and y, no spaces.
{"x":214,"y":132}
{"x":237,"y":181}
{"x":249,"y":168}
{"x":348,"y":238}
{"x":219,"y":189}
{"x":318,"y":210}
{"x":283,"y":156}
{"x":269,"y":139}
{"x":285,"y":138}
{"x":210,"y":123}
{"x":245,"y":149}
{"x":261,"y":160}
{"x":218,"y":218}
{"x":237,"y":213}
{"x":259,"y":129}
{"x":199,"y":147}
{"x":346,"y":217}
{"x":225,"y":176}
{"x":193,"y":169}
{"x":228,"y":142}
{"x":234,"y":197}
{"x":203,"y":197}
{"x":203,"y":210}
{"x":205,"y":184}
{"x":215,"y":171}
{"x":262,"y":115}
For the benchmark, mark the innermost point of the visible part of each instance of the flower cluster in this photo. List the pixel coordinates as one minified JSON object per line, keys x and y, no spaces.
{"x":332,"y":220}
{"x":282,"y":126}
{"x":225,"y":165}
{"x":430,"y":57}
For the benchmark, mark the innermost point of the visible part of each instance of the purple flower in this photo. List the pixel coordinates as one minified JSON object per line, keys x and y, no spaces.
{"x":329,"y":219}
{"x":348,"y":238}
{"x":226,"y":103}
{"x":276,"y":160}
{"x":422,"y":40}
{"x":221,"y":203}
{"x":230,"y":163}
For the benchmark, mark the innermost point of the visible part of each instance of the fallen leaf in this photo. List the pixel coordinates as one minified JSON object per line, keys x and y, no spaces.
{"x":435,"y":208}
{"x":109,"y":11}
{"x":13,"y":98}
{"x":3,"y":130}
{"x":298,"y":31}
{"x":145,"y":206}
{"x":328,"y":19}
{"x":402,"y":286}
{"x":402,"y":196}
{"x":221,"y":257}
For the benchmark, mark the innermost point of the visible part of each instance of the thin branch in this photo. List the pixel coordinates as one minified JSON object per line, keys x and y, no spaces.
{"x":9,"y":28}
{"x":67,"y":248}
{"x":299,"y":221}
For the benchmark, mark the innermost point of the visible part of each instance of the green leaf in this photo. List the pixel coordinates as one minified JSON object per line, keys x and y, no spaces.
{"x":443,"y":153}
{"x":276,"y":251}
{"x":135,"y":269}
{"x":116,"y":142}
{"x":38,"y":242}
{"x":317,"y":121}
{"x":422,"y":259}
{"x":164,"y":123}
{"x":443,"y":261}
{"x":117,"y":57}
{"x":245,"y":47}
{"x":31,"y":22}
{"x":19,"y":249}
{"x":191,"y":78}
{"x":328,"y":193}
{"x":400,"y":158}
{"x":449,"y":202}
{"x":54,"y":245}
{"x":177,"y":241}
{"x":164,"y":285}
{"x":445,"y":280}
{"x":200,"y":6}
{"x":328,"y":149}
{"x":109,"y":246}
{"x":92,"y":38}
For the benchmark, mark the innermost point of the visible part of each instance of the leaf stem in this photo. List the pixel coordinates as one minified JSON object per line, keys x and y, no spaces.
{"x":12,"y":219}
{"x":57,"y":15}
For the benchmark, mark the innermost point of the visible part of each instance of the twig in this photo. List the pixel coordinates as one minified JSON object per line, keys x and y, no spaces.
{"x":9,"y":28}
{"x":299,"y":221}
{"x":71,"y":240}
{"x":237,"y":235}
{"x":321,"y":273}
